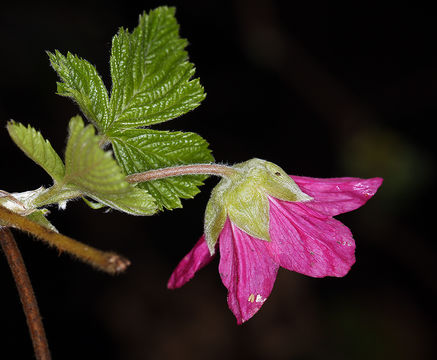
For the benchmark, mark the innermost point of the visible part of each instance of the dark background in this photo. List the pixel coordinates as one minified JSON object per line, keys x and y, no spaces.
{"x":322,"y":91}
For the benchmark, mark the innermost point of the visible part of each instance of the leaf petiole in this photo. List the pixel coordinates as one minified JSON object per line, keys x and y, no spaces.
{"x":58,"y":193}
{"x":193,"y":169}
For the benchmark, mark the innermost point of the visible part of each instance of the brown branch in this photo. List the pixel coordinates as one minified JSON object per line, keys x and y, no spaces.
{"x":104,"y":260}
{"x":27,"y":296}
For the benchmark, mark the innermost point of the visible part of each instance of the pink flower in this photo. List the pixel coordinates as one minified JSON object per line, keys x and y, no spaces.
{"x":304,"y":237}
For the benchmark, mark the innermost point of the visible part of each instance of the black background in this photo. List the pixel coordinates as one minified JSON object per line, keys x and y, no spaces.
{"x":322,"y":91}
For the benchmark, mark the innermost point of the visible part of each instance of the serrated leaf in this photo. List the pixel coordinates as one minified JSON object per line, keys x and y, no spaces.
{"x":139,"y":150}
{"x":151,"y":74}
{"x":151,"y":83}
{"x":32,"y":143}
{"x":95,"y":173}
{"x":82,"y":83}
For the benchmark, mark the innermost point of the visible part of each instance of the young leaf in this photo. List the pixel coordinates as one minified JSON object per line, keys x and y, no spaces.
{"x":95,"y":173}
{"x":151,"y":74}
{"x":139,"y":150}
{"x":151,"y":83}
{"x":38,"y":216}
{"x":92,"y":204}
{"x":37,"y":148}
{"x":83,"y":84}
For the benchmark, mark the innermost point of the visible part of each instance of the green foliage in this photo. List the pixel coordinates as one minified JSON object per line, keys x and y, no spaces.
{"x":144,"y":149}
{"x":96,"y":174}
{"x":37,"y":148}
{"x":38,"y":216}
{"x":82,"y":83}
{"x":151,"y":83}
{"x":92,"y":204}
{"x":150,"y":73}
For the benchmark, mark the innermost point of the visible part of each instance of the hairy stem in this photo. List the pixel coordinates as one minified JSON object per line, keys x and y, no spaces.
{"x":56,"y":194}
{"x":60,"y":193}
{"x":107,"y":261}
{"x":27,"y":296}
{"x":208,"y":169}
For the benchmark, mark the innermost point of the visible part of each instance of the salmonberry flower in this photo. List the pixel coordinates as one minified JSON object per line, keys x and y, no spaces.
{"x":260,"y":219}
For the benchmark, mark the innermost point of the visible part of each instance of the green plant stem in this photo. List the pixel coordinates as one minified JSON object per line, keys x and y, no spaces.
{"x":207,"y":169}
{"x":26,"y":293}
{"x":59,"y":192}
{"x":56,"y":194}
{"x":106,"y":261}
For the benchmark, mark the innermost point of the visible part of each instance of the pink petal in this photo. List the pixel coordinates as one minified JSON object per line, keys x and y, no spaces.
{"x":337,"y":195}
{"x":246,"y":270}
{"x":308,"y":242}
{"x":196,"y":259}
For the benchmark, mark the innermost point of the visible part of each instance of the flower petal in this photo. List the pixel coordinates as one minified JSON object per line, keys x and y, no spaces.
{"x":196,"y":259}
{"x":308,"y":242}
{"x":246,"y":269}
{"x":337,"y":195}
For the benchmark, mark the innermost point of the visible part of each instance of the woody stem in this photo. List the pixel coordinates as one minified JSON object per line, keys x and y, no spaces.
{"x":206,"y":169}
{"x":104,"y":260}
{"x":27,"y":296}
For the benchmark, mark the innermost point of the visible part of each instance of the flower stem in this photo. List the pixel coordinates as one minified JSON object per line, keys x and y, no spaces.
{"x":27,"y":296}
{"x":207,"y":169}
{"x":106,"y":261}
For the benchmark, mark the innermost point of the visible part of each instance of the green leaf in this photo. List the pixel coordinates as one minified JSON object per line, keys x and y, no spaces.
{"x":93,"y":205}
{"x":139,"y":150}
{"x":151,"y":83}
{"x":37,"y":148}
{"x":151,"y":74}
{"x":95,"y":173}
{"x":38,"y":216}
{"x":82,"y":83}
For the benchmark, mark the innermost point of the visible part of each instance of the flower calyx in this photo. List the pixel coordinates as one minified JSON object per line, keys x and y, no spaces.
{"x":244,"y":195}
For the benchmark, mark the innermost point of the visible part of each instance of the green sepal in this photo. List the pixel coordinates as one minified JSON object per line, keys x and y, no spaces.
{"x":248,"y":208}
{"x":243,"y":196}
{"x":273,"y":180}
{"x":96,"y":174}
{"x":215,"y":218}
{"x":32,"y":143}
{"x":139,"y":150}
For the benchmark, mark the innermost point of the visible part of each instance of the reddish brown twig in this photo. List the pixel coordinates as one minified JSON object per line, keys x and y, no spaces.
{"x":107,"y":261}
{"x":27,"y":296}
